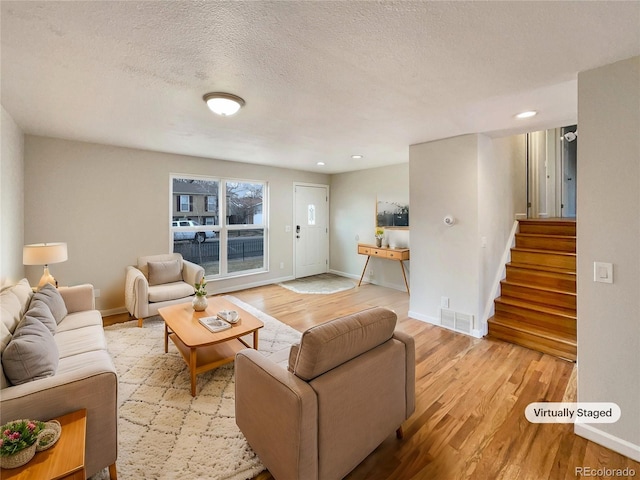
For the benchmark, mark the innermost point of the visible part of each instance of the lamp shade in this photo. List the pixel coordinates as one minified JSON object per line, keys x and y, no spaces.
{"x":44,"y":253}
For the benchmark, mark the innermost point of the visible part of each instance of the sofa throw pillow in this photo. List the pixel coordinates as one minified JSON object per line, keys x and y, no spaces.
{"x":50,"y":295}
{"x":165,"y":272}
{"x":32,"y":353}
{"x":39,"y":310}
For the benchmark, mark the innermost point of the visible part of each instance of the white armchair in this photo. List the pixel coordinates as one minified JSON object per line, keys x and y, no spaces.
{"x":158,"y":281}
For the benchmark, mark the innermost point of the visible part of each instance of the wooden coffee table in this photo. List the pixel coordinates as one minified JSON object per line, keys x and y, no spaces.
{"x":201,"y":349}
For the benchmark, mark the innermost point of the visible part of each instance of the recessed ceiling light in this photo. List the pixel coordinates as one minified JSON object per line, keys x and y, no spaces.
{"x":357,"y":157}
{"x":223,"y":104}
{"x":321,"y":164}
{"x":528,"y":114}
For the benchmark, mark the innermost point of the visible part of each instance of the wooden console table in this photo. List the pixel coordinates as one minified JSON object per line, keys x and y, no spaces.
{"x":397,"y":254}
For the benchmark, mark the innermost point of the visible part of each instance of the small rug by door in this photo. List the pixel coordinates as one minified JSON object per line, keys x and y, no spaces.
{"x":164,"y":432}
{"x":325,"y":283}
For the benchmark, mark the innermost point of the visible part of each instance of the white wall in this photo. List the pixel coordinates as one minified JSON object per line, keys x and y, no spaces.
{"x":480,"y":182}
{"x":609,"y":231}
{"x":111,"y":205}
{"x":353,"y":220}
{"x":11,"y":201}
{"x":501,"y":194}
{"x":444,"y":181}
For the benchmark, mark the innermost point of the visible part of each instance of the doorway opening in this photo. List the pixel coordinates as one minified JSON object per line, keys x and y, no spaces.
{"x":551,"y":158}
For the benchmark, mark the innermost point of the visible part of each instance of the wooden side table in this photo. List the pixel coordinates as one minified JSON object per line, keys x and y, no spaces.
{"x":397,"y":254}
{"x":65,"y":460}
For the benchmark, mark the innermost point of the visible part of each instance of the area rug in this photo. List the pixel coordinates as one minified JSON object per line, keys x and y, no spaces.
{"x":164,"y":432}
{"x":324,"y":283}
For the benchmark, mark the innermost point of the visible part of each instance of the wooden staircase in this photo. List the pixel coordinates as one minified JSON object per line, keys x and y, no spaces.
{"x":537,"y":304}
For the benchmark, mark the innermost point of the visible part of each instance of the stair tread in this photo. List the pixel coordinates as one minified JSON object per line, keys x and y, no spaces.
{"x":545,"y":235}
{"x":546,"y":252}
{"x":537,"y":287}
{"x":557,"y":336}
{"x":547,"y":221}
{"x":542,"y":268}
{"x":564,"y":312}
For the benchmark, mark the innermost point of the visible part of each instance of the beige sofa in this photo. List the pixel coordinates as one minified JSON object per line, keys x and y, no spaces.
{"x":345,"y":388}
{"x":81,"y":377}
{"x":159,"y":281}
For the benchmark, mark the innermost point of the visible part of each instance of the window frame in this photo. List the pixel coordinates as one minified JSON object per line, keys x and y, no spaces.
{"x":223,"y":227}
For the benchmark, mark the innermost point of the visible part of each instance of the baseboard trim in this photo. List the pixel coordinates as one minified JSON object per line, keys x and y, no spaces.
{"x":436,"y":321}
{"x":478,"y":333}
{"x":424,"y":318}
{"x":344,"y":274}
{"x":607,"y":440}
{"x":246,"y":286}
{"x":113,"y":311}
{"x":368,"y":279}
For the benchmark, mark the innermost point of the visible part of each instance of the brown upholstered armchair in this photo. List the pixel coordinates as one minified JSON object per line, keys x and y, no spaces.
{"x":348,"y":385}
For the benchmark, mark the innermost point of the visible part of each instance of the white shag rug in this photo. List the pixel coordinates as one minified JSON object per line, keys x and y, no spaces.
{"x":164,"y":432}
{"x":325,"y":283}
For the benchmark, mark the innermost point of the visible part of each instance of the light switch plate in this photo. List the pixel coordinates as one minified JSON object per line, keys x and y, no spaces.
{"x":602,"y":272}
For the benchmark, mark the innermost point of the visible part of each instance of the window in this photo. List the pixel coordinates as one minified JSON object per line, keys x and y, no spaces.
{"x":244,"y":212}
{"x":311,"y":214}
{"x":185,"y":203}
{"x":224,"y":228}
{"x":212,"y":203}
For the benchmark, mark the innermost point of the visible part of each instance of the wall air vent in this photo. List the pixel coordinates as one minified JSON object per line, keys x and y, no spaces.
{"x":460,"y":322}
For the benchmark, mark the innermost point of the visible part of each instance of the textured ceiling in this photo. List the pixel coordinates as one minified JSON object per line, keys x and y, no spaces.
{"x":321,"y":80}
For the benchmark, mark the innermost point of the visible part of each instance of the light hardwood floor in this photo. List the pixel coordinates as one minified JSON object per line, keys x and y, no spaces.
{"x":470,"y":398}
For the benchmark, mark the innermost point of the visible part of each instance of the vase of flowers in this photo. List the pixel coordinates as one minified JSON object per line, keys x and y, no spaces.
{"x":379,"y":236}
{"x":199,"y":302}
{"x":19,"y":441}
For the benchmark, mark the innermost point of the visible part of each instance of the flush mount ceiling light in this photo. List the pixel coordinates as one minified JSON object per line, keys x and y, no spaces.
{"x":321,"y":164}
{"x":223,"y":104}
{"x":356,"y":157}
{"x":528,"y":114}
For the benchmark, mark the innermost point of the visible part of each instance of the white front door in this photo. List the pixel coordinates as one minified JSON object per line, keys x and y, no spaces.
{"x":311,"y":229}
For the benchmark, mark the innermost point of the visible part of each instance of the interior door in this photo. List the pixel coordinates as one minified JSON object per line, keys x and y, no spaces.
{"x":569,"y":170}
{"x":311,"y":230}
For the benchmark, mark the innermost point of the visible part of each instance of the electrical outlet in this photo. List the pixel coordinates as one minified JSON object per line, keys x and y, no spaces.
{"x":281,"y":265}
{"x":444,"y":302}
{"x":96,"y":292}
